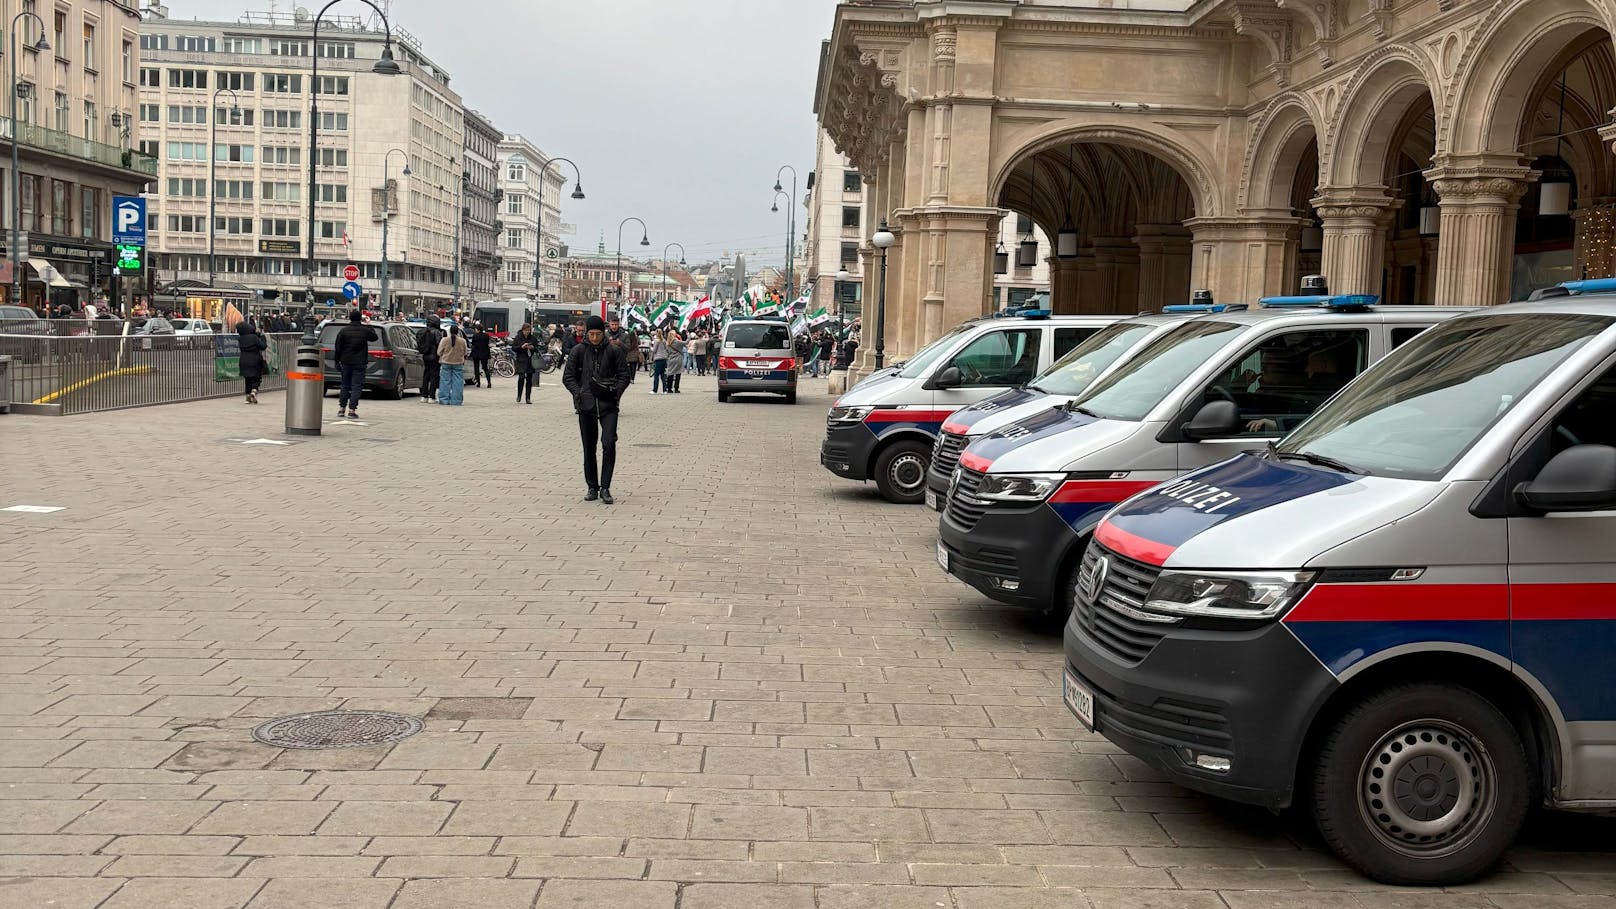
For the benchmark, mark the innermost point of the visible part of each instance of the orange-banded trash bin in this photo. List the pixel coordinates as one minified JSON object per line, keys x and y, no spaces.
{"x":305,"y":392}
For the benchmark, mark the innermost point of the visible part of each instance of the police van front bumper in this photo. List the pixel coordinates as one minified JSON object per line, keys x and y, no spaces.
{"x":846,"y":451}
{"x":1011,"y":554}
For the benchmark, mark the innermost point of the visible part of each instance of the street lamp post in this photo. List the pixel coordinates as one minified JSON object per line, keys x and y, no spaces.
{"x":791,"y":229}
{"x":16,"y":139}
{"x":538,"y":221}
{"x":385,"y":66}
{"x":883,"y":241}
{"x":460,"y":218}
{"x":645,"y":240}
{"x":387,"y":217}
{"x":665,"y":263}
{"x":213,"y":186}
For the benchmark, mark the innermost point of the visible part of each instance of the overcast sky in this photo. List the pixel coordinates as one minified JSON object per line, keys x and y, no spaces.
{"x":678,"y":112}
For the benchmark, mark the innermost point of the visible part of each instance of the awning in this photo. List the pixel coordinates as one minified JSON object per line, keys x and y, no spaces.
{"x":48,"y":273}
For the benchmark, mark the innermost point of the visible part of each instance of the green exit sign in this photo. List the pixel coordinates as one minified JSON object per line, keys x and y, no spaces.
{"x":131,"y":259}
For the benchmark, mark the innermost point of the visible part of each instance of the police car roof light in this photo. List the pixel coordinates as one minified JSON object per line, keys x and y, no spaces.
{"x":1204,"y":307}
{"x":1591,"y":286}
{"x":1334,"y":301}
{"x":1035,"y":313}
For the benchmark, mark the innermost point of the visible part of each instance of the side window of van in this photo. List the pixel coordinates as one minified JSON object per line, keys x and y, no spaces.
{"x":1404,"y":334}
{"x":1590,"y":419}
{"x":1281,"y":381}
{"x":999,"y":358}
{"x":1068,"y":338}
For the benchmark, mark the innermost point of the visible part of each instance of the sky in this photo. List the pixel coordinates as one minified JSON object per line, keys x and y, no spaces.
{"x":678,"y":112}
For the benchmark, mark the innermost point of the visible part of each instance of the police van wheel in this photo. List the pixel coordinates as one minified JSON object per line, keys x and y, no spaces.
{"x":1422,"y":784}
{"x":723,"y":397}
{"x":900,"y":472}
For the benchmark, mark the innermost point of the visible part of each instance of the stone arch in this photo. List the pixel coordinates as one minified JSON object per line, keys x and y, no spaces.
{"x":1504,"y":68}
{"x":1362,"y":139}
{"x":1189,"y":164}
{"x":1277,"y":150}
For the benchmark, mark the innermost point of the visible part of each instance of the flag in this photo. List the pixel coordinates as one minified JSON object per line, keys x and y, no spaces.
{"x":231,"y":317}
{"x":638,"y":318}
{"x":799,"y":325}
{"x":819,"y":317}
{"x":701,"y":309}
{"x":664,"y":313}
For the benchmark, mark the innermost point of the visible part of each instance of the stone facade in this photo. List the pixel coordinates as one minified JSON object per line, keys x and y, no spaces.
{"x":528,"y":197}
{"x":1231,"y":145}
{"x":479,"y":209}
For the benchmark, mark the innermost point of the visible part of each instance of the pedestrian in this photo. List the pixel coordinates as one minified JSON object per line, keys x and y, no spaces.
{"x":253,"y":346}
{"x":481,"y":352}
{"x":659,"y":359}
{"x":525,"y":353}
{"x":676,"y":363}
{"x":596,"y":373}
{"x":629,"y":343}
{"x":351,"y":350}
{"x":427,"y":344}
{"x":698,"y":352}
{"x":827,"y":346}
{"x":452,"y":367}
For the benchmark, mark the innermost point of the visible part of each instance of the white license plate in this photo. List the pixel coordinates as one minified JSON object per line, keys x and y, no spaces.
{"x":759,"y":364}
{"x":942,"y":557}
{"x":1078,"y":699}
{"x":932,"y":501}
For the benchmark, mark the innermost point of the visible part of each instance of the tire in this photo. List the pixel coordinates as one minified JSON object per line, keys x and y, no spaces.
{"x":791,"y":396}
{"x":1451,"y":755}
{"x":397,"y":391}
{"x":900,"y":472}
{"x":506,"y":369}
{"x":723,"y":397}
{"x":1065,"y":601}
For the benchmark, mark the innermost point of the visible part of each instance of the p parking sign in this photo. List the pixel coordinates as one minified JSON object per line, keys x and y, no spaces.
{"x":128,"y":221}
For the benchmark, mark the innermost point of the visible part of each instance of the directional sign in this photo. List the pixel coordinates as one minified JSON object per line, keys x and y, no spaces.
{"x":128,"y":221}
{"x":552,"y":253}
{"x":352,"y":290}
{"x":351,"y":273}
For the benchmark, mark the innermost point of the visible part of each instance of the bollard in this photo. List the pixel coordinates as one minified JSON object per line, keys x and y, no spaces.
{"x":838,"y":380}
{"x":305,"y":391}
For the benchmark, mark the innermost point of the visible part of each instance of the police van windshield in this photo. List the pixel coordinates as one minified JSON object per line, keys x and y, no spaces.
{"x":917,"y":364}
{"x":760,"y":336}
{"x":1076,"y":371}
{"x":1140,"y":384}
{"x":1427,"y":404}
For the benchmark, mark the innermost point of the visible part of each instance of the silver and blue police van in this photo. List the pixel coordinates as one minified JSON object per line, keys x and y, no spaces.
{"x":1025,"y":499}
{"x":884,"y":429}
{"x":1067,"y":378}
{"x":1402,"y":616}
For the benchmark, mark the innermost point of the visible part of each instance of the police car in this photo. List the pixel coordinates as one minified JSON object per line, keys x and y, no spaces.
{"x":1402,"y":616}
{"x":884,"y":429}
{"x":1069,"y":377}
{"x":1025,"y":499}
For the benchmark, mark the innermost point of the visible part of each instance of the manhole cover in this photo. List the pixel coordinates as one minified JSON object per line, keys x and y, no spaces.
{"x":652,"y":445}
{"x":337,"y":729}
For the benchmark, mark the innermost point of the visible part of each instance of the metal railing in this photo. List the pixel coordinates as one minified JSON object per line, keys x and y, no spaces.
{"x":85,"y":374}
{"x":73,"y":146}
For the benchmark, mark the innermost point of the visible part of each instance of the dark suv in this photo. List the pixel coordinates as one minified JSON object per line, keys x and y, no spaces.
{"x":394,"y":365}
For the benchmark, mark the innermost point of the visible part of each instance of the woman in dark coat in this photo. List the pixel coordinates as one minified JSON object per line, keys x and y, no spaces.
{"x":253,"y":346}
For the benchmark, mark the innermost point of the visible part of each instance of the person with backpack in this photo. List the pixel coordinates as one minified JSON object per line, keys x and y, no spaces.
{"x":596,"y":374}
{"x":427,"y":345}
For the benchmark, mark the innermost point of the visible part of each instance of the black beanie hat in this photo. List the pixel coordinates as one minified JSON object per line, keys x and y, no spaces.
{"x":594,"y":323}
{"x":355,"y":315}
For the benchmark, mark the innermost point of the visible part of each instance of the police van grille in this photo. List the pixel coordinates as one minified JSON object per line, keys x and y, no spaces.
{"x":946,"y":457}
{"x":1127,"y":585}
{"x":965,"y":510}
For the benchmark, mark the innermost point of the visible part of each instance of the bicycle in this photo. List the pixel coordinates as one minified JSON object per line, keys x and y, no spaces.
{"x":502,"y":363}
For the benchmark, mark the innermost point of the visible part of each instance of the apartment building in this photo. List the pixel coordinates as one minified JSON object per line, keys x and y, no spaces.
{"x":532,"y":196}
{"x":479,"y":209}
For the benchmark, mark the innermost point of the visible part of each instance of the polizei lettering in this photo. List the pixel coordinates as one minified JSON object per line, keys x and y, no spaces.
{"x":1200,"y":496}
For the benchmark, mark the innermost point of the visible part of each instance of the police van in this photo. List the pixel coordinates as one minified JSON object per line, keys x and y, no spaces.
{"x":1025,"y":499}
{"x":1402,"y":616}
{"x":884,"y":429}
{"x":1063,"y":381}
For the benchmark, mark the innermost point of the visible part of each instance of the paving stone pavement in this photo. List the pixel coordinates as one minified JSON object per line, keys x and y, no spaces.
{"x":745,"y":685}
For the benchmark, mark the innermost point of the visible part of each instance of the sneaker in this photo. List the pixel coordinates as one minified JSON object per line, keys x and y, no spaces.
{"x":606,"y":497}
{"x":592,"y":495}
{"x":353,"y":414}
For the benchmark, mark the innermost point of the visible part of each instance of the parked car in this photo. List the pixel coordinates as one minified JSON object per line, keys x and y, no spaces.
{"x":190,"y":328}
{"x":394,"y":364}
{"x":20,"y":320}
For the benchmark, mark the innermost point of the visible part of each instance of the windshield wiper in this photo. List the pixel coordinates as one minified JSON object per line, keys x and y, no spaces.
{"x":1319,"y":460}
{"x":1074,"y":407}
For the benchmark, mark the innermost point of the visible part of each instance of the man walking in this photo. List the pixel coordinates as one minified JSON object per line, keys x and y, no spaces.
{"x":351,"y":350}
{"x":629,"y":343}
{"x":525,"y":354}
{"x":596,"y":373}
{"x":480,"y":354}
{"x":427,"y":345}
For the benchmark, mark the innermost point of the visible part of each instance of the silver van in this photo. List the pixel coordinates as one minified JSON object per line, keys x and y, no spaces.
{"x":756,"y":356}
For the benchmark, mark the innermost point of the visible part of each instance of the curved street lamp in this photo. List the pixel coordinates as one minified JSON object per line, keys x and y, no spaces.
{"x":791,"y":227}
{"x":387,"y":218}
{"x":665,"y":264}
{"x":385,"y":66}
{"x":883,"y":241}
{"x":16,"y":139}
{"x":645,"y":240}
{"x":213,"y":186}
{"x":538,"y":220}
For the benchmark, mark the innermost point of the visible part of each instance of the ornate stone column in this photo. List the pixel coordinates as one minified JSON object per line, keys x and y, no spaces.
{"x":1164,"y":265}
{"x":1242,"y":259}
{"x":1355,"y":222}
{"x":1116,"y":266}
{"x":1480,"y":199}
{"x":1065,"y":285}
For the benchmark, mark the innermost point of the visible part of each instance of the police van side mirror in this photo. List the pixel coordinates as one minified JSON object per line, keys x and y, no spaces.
{"x":1215,"y":420}
{"x":1581,"y":478}
{"x":948,"y":378}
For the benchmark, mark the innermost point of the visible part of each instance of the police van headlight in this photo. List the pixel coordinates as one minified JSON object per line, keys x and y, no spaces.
{"x":1227,"y":595}
{"x":848,"y":415}
{"x":1019,"y":487}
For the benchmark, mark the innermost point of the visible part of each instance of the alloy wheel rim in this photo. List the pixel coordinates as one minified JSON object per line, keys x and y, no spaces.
{"x":907,"y":472}
{"x":1427,"y":788}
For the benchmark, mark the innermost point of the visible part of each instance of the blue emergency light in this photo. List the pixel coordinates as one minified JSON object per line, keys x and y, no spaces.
{"x":1035,"y":313}
{"x":1591,"y":286}
{"x":1203,"y":307}
{"x":1328,"y":301}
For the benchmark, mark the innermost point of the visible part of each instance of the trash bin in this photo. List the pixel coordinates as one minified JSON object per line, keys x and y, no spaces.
{"x":5,"y":385}
{"x":305,"y":391}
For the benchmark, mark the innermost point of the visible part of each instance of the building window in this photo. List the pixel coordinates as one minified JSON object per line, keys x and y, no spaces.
{"x":187,"y":151}
{"x":850,"y":216}
{"x":280,"y":192}
{"x":283,"y":119}
{"x":25,"y":101}
{"x":333,"y":157}
{"x":514,"y":238}
{"x":331,"y":192}
{"x":149,"y":113}
{"x":64,"y":112}
{"x":151,"y":148}
{"x":283,"y":48}
{"x":850,"y":253}
{"x":148,"y":42}
{"x":187,"y":187}
{"x":243,"y":45}
{"x":241,"y":116}
{"x":239,"y":153}
{"x":187,"y":114}
{"x":513,"y":273}
{"x":232,"y":189}
{"x":128,"y":62}
{"x":280,"y":227}
{"x":517,"y":171}
{"x":241,"y":82}
{"x":340,"y":50}
{"x":514,"y":203}
{"x":281,"y":154}
{"x":187,"y":224}
{"x":852,"y":182}
{"x":333,"y":121}
{"x":280,"y":83}
{"x":89,"y":211}
{"x":60,"y":35}
{"x":194,"y":44}
{"x":92,"y":121}
{"x":187,"y":78}
{"x":333,"y":85}
{"x":333,"y":230}
{"x":151,"y":77}
{"x":89,"y":46}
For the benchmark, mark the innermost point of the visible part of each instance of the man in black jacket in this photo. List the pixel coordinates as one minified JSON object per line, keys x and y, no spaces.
{"x":427,"y":344}
{"x":596,"y":374}
{"x":351,"y":350}
{"x":479,"y":356}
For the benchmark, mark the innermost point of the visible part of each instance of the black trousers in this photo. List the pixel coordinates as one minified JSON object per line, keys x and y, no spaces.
{"x":429,"y":382}
{"x":525,"y":383}
{"x":599,"y":430}
{"x":253,"y":382}
{"x":479,"y":369}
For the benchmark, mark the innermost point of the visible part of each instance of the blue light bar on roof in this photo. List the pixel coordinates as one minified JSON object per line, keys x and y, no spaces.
{"x":1333,"y":301}
{"x":1591,"y":286}
{"x":1203,"y":307}
{"x":1035,"y":313}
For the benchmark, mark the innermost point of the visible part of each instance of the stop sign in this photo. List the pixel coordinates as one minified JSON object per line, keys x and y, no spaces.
{"x":351,"y":273}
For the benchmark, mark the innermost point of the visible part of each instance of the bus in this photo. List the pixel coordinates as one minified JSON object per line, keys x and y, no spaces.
{"x":501,"y":318}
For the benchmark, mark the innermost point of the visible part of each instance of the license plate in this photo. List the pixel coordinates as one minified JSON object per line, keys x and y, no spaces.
{"x":1078,"y":699}
{"x":764,"y":365}
{"x":942,"y":557}
{"x":932,"y":501}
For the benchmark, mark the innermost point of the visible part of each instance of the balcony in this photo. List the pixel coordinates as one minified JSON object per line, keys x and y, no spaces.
{"x":86,"y":149}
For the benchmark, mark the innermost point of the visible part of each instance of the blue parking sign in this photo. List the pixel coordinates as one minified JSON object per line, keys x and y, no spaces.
{"x":128,"y":221}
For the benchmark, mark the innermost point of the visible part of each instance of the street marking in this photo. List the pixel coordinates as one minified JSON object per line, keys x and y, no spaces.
{"x":35,"y":509}
{"x":260,"y":441}
{"x":347,"y":423}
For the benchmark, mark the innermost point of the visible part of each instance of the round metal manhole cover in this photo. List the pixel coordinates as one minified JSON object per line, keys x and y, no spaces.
{"x":337,"y":729}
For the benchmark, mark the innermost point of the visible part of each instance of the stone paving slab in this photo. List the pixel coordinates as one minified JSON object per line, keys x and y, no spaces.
{"x":745,"y":685}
